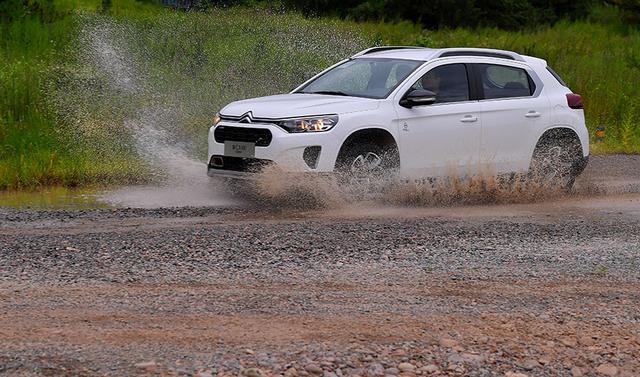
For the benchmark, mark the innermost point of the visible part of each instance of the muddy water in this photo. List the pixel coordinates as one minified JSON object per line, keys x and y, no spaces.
{"x":603,"y":184}
{"x":53,"y":198}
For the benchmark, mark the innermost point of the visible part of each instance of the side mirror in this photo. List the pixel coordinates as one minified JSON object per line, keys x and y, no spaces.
{"x":418,"y":97}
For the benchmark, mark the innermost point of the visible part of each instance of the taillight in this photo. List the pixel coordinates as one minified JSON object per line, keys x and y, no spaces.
{"x":574,"y":101}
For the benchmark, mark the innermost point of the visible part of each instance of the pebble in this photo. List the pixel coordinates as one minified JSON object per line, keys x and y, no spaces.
{"x":354,"y":371}
{"x":146,"y":365}
{"x":530,"y":364}
{"x":375,"y":369}
{"x":406,"y":367}
{"x":313,"y":369}
{"x":544,"y":360}
{"x":448,"y":342}
{"x":392,"y":371}
{"x":577,"y":372}
{"x":431,"y":368}
{"x":252,"y":372}
{"x":607,"y":369}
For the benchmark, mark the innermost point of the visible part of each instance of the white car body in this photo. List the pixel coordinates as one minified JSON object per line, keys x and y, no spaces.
{"x":438,"y":139}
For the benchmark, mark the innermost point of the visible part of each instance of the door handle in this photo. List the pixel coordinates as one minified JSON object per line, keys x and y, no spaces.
{"x":532,"y":114}
{"x":469,"y":119}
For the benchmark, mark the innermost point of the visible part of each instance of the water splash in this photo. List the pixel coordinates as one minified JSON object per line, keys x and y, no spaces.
{"x":146,"y":89}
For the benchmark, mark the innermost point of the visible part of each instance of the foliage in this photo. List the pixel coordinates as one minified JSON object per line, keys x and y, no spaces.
{"x":630,"y":10}
{"x":507,"y":14}
{"x":60,"y":125}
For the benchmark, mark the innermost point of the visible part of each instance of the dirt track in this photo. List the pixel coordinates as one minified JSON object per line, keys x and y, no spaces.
{"x":549,"y":288}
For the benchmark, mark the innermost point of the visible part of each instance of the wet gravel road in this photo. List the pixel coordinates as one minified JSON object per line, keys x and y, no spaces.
{"x":549,"y":288}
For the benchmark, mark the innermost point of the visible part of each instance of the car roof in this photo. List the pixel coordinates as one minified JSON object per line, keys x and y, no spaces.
{"x":426,"y":54}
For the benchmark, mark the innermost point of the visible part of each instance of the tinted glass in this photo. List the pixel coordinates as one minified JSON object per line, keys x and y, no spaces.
{"x":363,"y":77}
{"x":448,"y":82}
{"x":557,"y":76}
{"x":499,"y":81}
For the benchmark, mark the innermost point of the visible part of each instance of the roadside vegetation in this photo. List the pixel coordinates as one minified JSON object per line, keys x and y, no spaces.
{"x":63,"y":121}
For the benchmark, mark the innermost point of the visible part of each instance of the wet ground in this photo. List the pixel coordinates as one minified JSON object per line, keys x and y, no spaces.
{"x":613,"y":174}
{"x":368,"y":289}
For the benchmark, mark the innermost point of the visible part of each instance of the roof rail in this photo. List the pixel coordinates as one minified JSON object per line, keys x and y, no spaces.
{"x":384,"y":48}
{"x":487,"y":52}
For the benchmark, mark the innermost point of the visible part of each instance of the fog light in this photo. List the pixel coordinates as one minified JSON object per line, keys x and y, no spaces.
{"x":216,"y":162}
{"x":311,"y":155}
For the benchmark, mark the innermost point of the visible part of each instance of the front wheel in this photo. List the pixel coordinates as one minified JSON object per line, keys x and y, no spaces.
{"x":367,"y":167}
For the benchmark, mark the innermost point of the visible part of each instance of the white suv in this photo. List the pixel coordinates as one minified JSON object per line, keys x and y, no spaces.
{"x":418,"y":112}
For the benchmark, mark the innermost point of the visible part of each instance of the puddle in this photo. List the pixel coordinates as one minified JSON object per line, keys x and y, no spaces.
{"x":52,"y":198}
{"x":201,"y":193}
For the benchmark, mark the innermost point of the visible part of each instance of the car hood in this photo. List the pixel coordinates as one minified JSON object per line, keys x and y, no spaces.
{"x":298,"y":104}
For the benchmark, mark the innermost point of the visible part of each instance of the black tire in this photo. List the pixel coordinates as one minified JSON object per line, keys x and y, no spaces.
{"x":553,"y":163}
{"x":367,"y":167}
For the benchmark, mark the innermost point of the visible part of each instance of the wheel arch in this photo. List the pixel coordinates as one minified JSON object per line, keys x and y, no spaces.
{"x":375,"y":135}
{"x":558,"y":133}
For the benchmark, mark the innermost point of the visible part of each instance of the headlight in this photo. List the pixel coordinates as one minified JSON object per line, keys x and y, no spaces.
{"x":216,"y":119}
{"x":310,"y":124}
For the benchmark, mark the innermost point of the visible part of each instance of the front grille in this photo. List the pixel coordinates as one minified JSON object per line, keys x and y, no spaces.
{"x":253,"y":165}
{"x":261,"y":136}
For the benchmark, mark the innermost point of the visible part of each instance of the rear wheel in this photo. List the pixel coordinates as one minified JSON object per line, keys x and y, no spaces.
{"x":553,"y":163}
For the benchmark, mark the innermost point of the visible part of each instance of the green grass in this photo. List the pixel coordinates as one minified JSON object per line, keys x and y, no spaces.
{"x":36,"y":147}
{"x":61,"y":122}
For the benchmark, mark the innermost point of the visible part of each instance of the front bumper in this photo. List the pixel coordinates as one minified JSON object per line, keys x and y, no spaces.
{"x":231,"y":174}
{"x":235,"y":167}
{"x":288,"y":151}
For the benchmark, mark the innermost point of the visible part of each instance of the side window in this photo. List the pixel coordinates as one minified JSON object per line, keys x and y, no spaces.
{"x":500,"y":81}
{"x":448,"y":82}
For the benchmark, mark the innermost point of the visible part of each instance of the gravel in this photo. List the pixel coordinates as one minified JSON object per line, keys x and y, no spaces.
{"x":532,"y":289}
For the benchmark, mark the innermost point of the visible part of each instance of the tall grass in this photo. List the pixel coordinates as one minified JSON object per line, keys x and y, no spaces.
{"x":36,"y":147}
{"x":59,"y":124}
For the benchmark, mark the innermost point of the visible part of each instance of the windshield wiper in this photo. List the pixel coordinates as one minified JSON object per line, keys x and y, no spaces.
{"x":329,"y":92}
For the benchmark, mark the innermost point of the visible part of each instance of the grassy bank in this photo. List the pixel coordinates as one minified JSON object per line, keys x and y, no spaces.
{"x":64,"y":119}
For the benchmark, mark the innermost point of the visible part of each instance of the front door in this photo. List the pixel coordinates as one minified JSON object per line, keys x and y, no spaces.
{"x":442,"y":138}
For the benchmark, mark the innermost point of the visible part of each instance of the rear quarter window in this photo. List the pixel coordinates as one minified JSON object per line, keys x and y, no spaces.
{"x":557,"y":76}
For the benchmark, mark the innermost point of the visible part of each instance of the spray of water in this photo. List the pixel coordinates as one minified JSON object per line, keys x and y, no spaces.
{"x":146,"y":89}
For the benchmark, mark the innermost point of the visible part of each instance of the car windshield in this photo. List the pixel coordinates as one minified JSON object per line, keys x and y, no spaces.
{"x":363,"y":77}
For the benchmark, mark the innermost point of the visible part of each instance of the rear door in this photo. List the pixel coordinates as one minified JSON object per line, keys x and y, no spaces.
{"x":512,"y":109}
{"x":442,"y":138}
